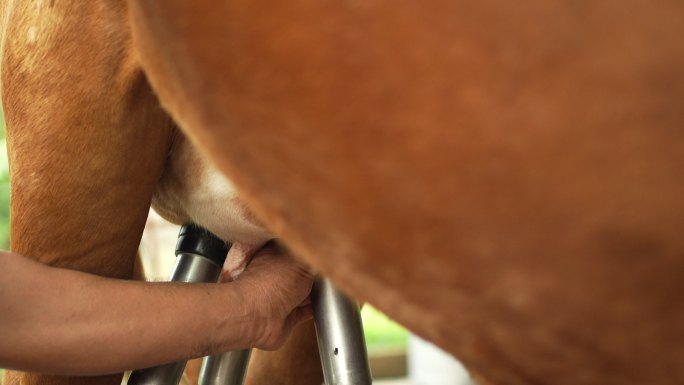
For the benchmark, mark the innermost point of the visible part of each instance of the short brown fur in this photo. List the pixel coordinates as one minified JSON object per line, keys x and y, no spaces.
{"x":504,"y":178}
{"x":88,"y":142}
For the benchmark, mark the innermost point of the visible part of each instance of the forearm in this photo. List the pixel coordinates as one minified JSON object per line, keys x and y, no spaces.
{"x":66,"y":322}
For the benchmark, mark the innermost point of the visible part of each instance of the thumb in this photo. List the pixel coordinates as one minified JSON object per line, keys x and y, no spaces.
{"x":299,"y":314}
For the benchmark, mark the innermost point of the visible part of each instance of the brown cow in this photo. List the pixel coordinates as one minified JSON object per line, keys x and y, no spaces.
{"x":504,"y":178}
{"x":88,"y":146}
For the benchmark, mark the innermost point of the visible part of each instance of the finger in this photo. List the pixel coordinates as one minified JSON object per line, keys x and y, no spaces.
{"x":299,"y":314}
{"x":278,"y":249}
{"x":306,"y":302}
{"x":306,"y":270}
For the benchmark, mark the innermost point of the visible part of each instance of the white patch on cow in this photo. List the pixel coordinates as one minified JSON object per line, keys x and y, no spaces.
{"x":31,"y":34}
{"x":39,"y":27}
{"x":214,"y":204}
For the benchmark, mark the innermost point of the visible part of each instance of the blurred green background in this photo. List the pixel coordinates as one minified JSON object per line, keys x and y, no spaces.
{"x":381,"y":332}
{"x":4,"y":188}
{"x":4,"y":193}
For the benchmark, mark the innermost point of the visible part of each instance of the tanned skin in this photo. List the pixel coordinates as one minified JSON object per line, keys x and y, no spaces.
{"x":60,"y":321}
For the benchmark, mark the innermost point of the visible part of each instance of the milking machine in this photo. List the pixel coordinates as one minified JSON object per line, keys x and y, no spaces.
{"x":199,"y":258}
{"x":225,"y":369}
{"x":340,"y":336}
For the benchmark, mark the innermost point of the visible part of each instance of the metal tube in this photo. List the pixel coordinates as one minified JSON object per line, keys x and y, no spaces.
{"x":194,"y":268}
{"x":167,"y":374}
{"x":200,"y":257}
{"x":225,"y":369}
{"x":340,"y":336}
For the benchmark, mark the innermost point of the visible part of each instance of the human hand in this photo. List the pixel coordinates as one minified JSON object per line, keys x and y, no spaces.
{"x":275,"y":289}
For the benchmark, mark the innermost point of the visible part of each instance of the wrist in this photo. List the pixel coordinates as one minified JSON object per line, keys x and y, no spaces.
{"x":233,"y":320}
{"x":253,"y":327}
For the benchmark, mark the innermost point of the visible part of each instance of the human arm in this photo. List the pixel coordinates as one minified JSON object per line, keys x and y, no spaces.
{"x":66,"y":322}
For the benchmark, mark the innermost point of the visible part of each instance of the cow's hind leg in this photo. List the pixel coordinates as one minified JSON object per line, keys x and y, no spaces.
{"x":296,"y":363}
{"x":87,"y":141}
{"x":87,"y":144}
